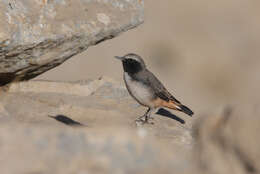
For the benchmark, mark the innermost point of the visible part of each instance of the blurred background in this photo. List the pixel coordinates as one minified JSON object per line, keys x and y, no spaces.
{"x":205,"y":52}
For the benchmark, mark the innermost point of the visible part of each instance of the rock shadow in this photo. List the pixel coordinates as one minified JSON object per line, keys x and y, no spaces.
{"x":66,"y":120}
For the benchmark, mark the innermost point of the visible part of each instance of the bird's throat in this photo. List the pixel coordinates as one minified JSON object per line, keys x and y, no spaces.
{"x":132,"y":67}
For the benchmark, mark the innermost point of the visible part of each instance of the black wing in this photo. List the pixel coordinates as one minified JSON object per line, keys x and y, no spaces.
{"x":157,"y":87}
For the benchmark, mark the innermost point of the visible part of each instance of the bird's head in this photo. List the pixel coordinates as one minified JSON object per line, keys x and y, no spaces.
{"x":132,"y":63}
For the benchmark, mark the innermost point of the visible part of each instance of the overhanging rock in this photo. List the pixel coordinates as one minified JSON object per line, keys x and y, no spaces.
{"x":38,"y":35}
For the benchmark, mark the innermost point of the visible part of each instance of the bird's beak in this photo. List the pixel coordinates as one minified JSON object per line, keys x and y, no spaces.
{"x":119,"y":58}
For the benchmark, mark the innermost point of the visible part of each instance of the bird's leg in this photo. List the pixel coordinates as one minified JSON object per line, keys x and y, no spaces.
{"x":149,"y":114}
{"x":146,"y":117}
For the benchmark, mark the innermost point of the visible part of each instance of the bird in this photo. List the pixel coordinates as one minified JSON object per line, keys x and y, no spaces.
{"x":147,"y":89}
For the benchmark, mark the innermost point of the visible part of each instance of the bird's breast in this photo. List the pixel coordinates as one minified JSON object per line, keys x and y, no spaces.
{"x":139,"y":91}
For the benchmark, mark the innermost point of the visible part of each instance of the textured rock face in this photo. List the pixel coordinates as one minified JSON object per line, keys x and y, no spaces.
{"x":37,"y":35}
{"x":88,"y":127}
{"x":229,"y":143}
{"x":103,"y":138}
{"x":71,"y":150}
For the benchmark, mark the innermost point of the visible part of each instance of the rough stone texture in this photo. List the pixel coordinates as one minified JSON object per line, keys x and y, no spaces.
{"x":88,"y":127}
{"x":47,"y":149}
{"x":96,"y":132}
{"x":37,"y":35}
{"x":94,"y":103}
{"x":229,"y":143}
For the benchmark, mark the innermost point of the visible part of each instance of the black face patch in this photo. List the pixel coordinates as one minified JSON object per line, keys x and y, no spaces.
{"x":132,"y":66}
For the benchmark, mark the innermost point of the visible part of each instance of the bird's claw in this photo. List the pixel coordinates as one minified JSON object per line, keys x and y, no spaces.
{"x":144,"y":121}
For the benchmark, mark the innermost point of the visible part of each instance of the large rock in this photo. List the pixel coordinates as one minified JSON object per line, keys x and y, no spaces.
{"x":37,"y":35}
{"x":229,"y":142}
{"x":88,"y":127}
{"x":93,"y":131}
{"x":45,"y":150}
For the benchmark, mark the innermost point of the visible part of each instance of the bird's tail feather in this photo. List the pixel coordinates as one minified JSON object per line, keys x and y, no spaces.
{"x":179,"y":107}
{"x":186,"y":110}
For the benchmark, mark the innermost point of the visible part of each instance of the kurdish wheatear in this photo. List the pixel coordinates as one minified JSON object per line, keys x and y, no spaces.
{"x":146,"y":89}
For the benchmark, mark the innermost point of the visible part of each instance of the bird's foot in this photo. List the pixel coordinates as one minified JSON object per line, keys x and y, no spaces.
{"x":145,"y":120}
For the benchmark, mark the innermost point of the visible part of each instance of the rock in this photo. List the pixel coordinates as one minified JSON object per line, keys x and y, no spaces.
{"x":228,"y":143}
{"x":86,"y":127}
{"x":30,"y":148}
{"x":37,"y":35}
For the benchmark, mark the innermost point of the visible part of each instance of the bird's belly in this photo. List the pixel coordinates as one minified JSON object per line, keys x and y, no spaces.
{"x":139,"y":91}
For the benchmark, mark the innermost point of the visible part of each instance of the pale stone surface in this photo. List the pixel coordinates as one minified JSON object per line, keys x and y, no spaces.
{"x":27,"y":148}
{"x":102,"y":139}
{"x":37,"y":35}
{"x":229,"y":142}
{"x":94,"y":132}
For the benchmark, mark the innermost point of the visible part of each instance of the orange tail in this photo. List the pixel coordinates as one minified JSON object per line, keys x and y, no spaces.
{"x":178,"y":107}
